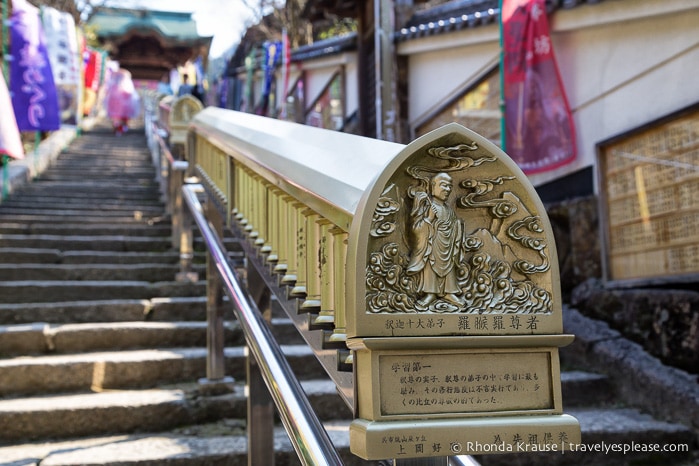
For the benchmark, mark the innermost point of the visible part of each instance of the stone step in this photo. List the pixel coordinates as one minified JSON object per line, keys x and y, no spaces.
{"x":68,"y":166}
{"x":224,"y":442}
{"x":158,"y":309}
{"x":214,"y":444}
{"x":56,"y":256}
{"x":50,"y":291}
{"x":64,"y":202}
{"x":86,"y":243}
{"x":125,"y":161}
{"x":53,"y":217}
{"x":73,"y":160}
{"x":72,"y":215}
{"x":607,"y":428}
{"x":110,"y":370}
{"x":124,"y":243}
{"x":136,"y":175}
{"x":170,"y":309}
{"x":580,"y":388}
{"x":87,"y":211}
{"x":82,"y":229}
{"x":55,"y":190}
{"x":42,"y":338}
{"x":76,"y":272}
{"x":112,"y":412}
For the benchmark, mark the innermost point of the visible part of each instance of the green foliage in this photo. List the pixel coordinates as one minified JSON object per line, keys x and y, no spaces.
{"x":90,"y":33}
{"x":67,"y":6}
{"x":340,"y":27}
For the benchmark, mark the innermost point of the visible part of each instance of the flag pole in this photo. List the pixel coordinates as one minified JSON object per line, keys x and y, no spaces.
{"x":503,"y":133}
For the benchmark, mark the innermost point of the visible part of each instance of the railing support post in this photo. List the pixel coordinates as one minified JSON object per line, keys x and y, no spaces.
{"x":185,"y":241}
{"x":215,"y":381}
{"x":176,"y":180}
{"x":260,"y":403}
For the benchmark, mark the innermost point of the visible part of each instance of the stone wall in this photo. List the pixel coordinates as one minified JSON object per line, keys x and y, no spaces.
{"x":665,"y":321}
{"x":576,"y":229}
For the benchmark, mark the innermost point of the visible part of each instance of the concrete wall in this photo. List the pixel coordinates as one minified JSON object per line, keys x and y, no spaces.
{"x":318,"y":73}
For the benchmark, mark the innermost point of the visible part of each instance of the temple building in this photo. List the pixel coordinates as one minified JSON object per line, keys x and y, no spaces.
{"x":149,"y":43}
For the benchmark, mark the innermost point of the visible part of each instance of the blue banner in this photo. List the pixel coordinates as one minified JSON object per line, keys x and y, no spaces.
{"x":34,"y":96}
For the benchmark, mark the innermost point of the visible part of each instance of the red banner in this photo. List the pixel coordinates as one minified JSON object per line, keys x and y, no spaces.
{"x":539,"y":130}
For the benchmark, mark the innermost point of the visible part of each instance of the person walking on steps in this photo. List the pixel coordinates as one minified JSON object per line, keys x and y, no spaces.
{"x":122,"y":100}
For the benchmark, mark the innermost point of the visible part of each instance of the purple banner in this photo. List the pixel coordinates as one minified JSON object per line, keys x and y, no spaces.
{"x":34,"y":96}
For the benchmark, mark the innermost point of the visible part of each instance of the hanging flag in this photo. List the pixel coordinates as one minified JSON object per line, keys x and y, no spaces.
{"x":93,"y":67}
{"x":34,"y":96}
{"x":61,"y":45}
{"x":92,"y":76}
{"x":286,"y":69}
{"x":62,"y":49}
{"x":10,"y":140}
{"x":540,"y":134}
{"x":272,"y":55}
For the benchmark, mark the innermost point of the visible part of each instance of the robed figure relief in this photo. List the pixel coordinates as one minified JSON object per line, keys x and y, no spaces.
{"x":453,"y":233}
{"x":435,"y":233}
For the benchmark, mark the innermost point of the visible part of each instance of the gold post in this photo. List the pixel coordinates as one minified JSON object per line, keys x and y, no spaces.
{"x":238,"y":175}
{"x":294,"y":238}
{"x":255,"y":209}
{"x":312,"y":301}
{"x":300,"y":290}
{"x":339,"y":259}
{"x":274,"y":225}
{"x":285,"y":233}
{"x":262,"y":214}
{"x":247,"y":201}
{"x":326,"y":317}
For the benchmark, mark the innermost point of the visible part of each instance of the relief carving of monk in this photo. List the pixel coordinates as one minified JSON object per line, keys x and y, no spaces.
{"x":436,"y":235}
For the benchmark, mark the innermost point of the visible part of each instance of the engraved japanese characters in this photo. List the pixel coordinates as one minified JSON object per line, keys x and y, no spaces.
{"x":454,"y":231}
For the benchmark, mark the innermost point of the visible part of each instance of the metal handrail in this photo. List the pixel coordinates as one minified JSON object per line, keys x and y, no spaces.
{"x":307,"y":434}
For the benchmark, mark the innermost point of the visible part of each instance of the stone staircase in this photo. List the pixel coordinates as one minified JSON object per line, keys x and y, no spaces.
{"x":101,"y":349}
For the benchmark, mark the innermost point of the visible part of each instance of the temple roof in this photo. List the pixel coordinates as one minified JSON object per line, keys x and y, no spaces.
{"x":176,"y":26}
{"x":148,"y":42}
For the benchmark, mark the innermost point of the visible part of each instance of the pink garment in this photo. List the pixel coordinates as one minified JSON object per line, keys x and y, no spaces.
{"x":123,"y":102}
{"x":10,"y":140}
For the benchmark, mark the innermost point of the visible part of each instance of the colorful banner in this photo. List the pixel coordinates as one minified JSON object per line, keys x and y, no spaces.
{"x":286,"y":69}
{"x":61,"y":45}
{"x":62,"y":48}
{"x":10,"y":140}
{"x":93,"y":62}
{"x":272,"y":57}
{"x":539,"y":129}
{"x":93,"y":69}
{"x":34,"y":96}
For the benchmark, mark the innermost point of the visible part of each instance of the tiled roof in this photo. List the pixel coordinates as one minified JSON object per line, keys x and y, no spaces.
{"x":111,"y":22}
{"x":329,"y":46}
{"x":444,"y":18}
{"x":462,"y":14}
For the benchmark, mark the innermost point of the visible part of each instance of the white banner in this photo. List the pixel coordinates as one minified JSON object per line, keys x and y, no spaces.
{"x":62,"y":45}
